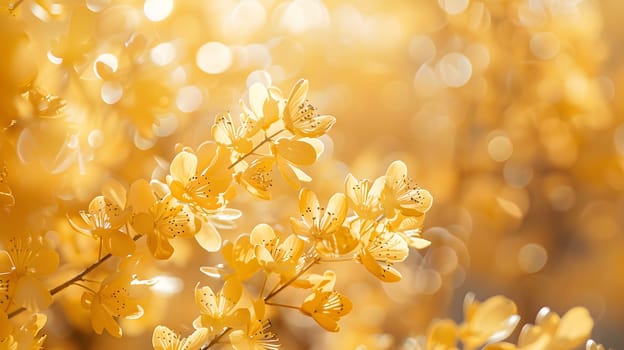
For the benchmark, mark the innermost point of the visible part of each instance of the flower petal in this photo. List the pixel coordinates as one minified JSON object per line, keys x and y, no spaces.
{"x":183,"y":166}
{"x":208,"y":237}
{"x":32,"y":294}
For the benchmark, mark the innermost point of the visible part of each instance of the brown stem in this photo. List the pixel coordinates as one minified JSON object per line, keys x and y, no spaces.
{"x":266,"y":139}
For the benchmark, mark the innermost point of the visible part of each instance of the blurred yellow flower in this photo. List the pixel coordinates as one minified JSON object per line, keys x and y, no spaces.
{"x":442,"y":335}
{"x":25,"y":336}
{"x":25,"y":261}
{"x":553,"y":332}
{"x":487,"y":322}
{"x":301,"y":118}
{"x":164,"y":338}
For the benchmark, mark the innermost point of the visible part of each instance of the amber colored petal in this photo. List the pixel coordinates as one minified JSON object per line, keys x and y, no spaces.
{"x":6,"y":264}
{"x":326,"y":308}
{"x":492,"y":321}
{"x":80,"y":226}
{"x":420,"y":202}
{"x":296,"y":151}
{"x":442,"y":334}
{"x":205,"y":299}
{"x":143,"y":223}
{"x":309,"y":206}
{"x":183,"y":166}
{"x":207,"y":236}
{"x":118,"y":243}
{"x":396,"y":172}
{"x":164,"y":339}
{"x":32,"y":294}
{"x":115,"y":191}
{"x":300,"y":227}
{"x":296,"y":98}
{"x":45,"y":262}
{"x":140,"y":196}
{"x":575,"y":327}
{"x":223,"y":130}
{"x":384,"y":271}
{"x":159,"y":246}
{"x":195,"y":340}
{"x":293,"y":175}
{"x":257,"y":178}
{"x":533,"y":338}
{"x":101,"y":319}
{"x":335,"y":213}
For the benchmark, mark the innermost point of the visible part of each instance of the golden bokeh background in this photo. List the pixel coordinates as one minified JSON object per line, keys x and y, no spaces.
{"x":507,"y":111}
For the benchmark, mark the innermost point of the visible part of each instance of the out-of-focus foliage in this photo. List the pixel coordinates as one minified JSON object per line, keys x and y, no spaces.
{"x":166,"y":176}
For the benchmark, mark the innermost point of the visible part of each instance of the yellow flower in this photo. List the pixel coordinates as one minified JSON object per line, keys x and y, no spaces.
{"x":381,"y":249}
{"x":276,"y":256}
{"x":164,"y":338}
{"x":257,"y":178}
{"x":218,"y":311}
{"x":202,"y":181}
{"x":490,"y":321}
{"x":442,"y":335}
{"x":290,"y":153}
{"x":323,"y":225}
{"x":364,"y":197}
{"x":553,"y":332}
{"x":239,"y":256}
{"x":22,"y":265}
{"x":227,"y":134}
{"x":256,"y":336}
{"x":160,"y":219}
{"x":25,"y":337}
{"x":326,"y":307}
{"x":301,"y":118}
{"x":203,"y":188}
{"x":409,"y":228}
{"x":104,"y":220}
{"x":117,"y":297}
{"x":263,"y":109}
{"x":399,"y":194}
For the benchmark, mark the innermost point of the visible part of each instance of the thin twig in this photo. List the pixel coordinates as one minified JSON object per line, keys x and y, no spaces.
{"x":266,"y":139}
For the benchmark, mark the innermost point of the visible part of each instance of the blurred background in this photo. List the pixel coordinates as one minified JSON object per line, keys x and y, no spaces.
{"x":506,"y":110}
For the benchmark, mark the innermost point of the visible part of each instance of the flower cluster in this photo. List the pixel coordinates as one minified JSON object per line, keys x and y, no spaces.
{"x":487,"y":323}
